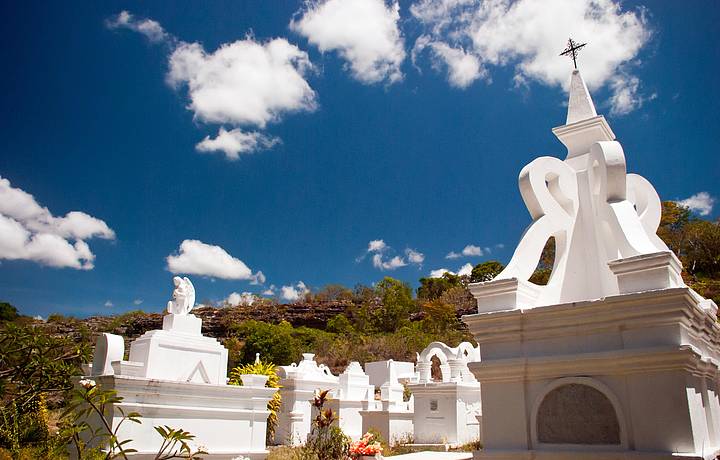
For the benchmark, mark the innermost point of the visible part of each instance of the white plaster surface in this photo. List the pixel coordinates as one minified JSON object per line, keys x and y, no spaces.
{"x":615,"y":315}
{"x":603,"y":221}
{"x":298,"y":382}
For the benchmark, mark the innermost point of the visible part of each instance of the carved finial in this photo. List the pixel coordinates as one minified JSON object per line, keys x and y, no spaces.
{"x":572,"y":50}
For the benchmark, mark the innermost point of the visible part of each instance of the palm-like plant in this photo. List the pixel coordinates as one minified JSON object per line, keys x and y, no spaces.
{"x":260,"y":367}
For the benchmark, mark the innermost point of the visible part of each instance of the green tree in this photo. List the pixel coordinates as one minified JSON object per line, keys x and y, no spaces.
{"x":486,"y":271}
{"x":8,"y":312}
{"x":339,"y":324}
{"x":433,"y":288}
{"x":275,"y":343}
{"x":396,"y":304}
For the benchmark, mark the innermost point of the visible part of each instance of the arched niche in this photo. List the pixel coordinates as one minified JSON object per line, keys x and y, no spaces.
{"x":578,"y":411}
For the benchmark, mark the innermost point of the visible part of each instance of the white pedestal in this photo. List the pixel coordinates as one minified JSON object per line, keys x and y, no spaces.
{"x":178,"y":352}
{"x":628,"y":376}
{"x":395,"y":426}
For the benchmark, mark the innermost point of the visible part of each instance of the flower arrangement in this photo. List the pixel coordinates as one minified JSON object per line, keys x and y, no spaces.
{"x":367,"y":445}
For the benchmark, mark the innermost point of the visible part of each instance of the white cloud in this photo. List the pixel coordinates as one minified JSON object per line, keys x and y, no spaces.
{"x":701,"y":203}
{"x":245,"y":82}
{"x":294,"y":293}
{"x":468,"y":251}
{"x":152,"y":30}
{"x":414,"y":257}
{"x":465,"y":270}
{"x":463,"y":68}
{"x":269,"y":291}
{"x":29,"y":231}
{"x":528,"y":35}
{"x":440,"y":272}
{"x":376,"y":246}
{"x":258,"y":278}
{"x":108,"y":304}
{"x":390,"y":264}
{"x":137,"y":301}
{"x":382,"y":261}
{"x":235,"y":142}
{"x":364,"y":32}
{"x":235,"y":299}
{"x":197,"y":258}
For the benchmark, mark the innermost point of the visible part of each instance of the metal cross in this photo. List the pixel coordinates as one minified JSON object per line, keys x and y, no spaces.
{"x":572,"y":50}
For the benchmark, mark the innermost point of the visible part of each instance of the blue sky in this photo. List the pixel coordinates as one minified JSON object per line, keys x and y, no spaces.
{"x":409,"y":124}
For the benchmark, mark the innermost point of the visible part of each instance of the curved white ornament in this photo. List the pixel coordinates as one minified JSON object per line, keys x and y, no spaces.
{"x":596,"y":215}
{"x":183,"y":297}
{"x":549,"y":188}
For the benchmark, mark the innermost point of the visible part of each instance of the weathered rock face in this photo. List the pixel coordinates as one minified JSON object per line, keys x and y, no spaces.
{"x":216,"y":321}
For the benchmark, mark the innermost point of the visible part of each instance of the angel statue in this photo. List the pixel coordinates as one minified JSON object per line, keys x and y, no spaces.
{"x":183,"y":297}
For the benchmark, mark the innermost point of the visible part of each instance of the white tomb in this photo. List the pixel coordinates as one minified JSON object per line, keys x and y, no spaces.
{"x":298,"y":382}
{"x":354,"y":393}
{"x":448,"y":411}
{"x":177,"y":377}
{"x":392,"y":416}
{"x":615,"y":357}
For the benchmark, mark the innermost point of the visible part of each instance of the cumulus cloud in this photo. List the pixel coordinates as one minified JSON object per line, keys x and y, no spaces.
{"x":439,"y":272}
{"x":365,"y":33}
{"x":246,"y":83}
{"x":293,"y":293}
{"x":377,"y":246}
{"x":468,"y":251}
{"x":137,"y":301}
{"x":108,"y":304}
{"x":269,"y":291}
{"x":258,"y":278}
{"x":235,"y":142}
{"x":701,"y":203}
{"x":29,"y":231}
{"x":197,"y":258}
{"x":152,"y":30}
{"x":382,"y":261}
{"x":390,"y":264}
{"x":414,"y":257}
{"x":465,"y":270}
{"x":235,"y":299}
{"x":528,"y":36}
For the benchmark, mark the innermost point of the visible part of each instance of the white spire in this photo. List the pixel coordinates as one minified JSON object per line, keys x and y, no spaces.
{"x":580,"y":104}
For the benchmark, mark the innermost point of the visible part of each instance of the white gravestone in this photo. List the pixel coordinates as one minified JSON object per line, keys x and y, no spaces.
{"x":447,"y":411}
{"x":298,"y":382}
{"x":177,"y":377}
{"x":615,"y":356}
{"x":392,"y":416}
{"x":354,"y":394}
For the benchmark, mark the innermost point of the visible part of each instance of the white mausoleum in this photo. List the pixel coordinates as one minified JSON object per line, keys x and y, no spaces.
{"x":446,"y":411}
{"x":298,"y":382}
{"x":391,"y":415}
{"x":177,"y":377}
{"x":615,"y":358}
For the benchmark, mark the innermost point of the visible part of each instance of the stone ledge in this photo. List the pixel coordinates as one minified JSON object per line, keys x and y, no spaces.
{"x":622,"y":362}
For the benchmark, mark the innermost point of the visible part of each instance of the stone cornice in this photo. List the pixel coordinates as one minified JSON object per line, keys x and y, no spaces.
{"x":620,"y":362}
{"x":616,"y":313}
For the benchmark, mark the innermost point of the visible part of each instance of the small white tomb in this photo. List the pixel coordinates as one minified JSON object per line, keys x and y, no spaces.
{"x":392,"y":416}
{"x":447,"y":411}
{"x":353,"y":395}
{"x":298,"y":382}
{"x":177,"y":377}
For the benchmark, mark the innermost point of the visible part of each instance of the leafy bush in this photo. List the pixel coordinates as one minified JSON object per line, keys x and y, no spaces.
{"x":274,"y":342}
